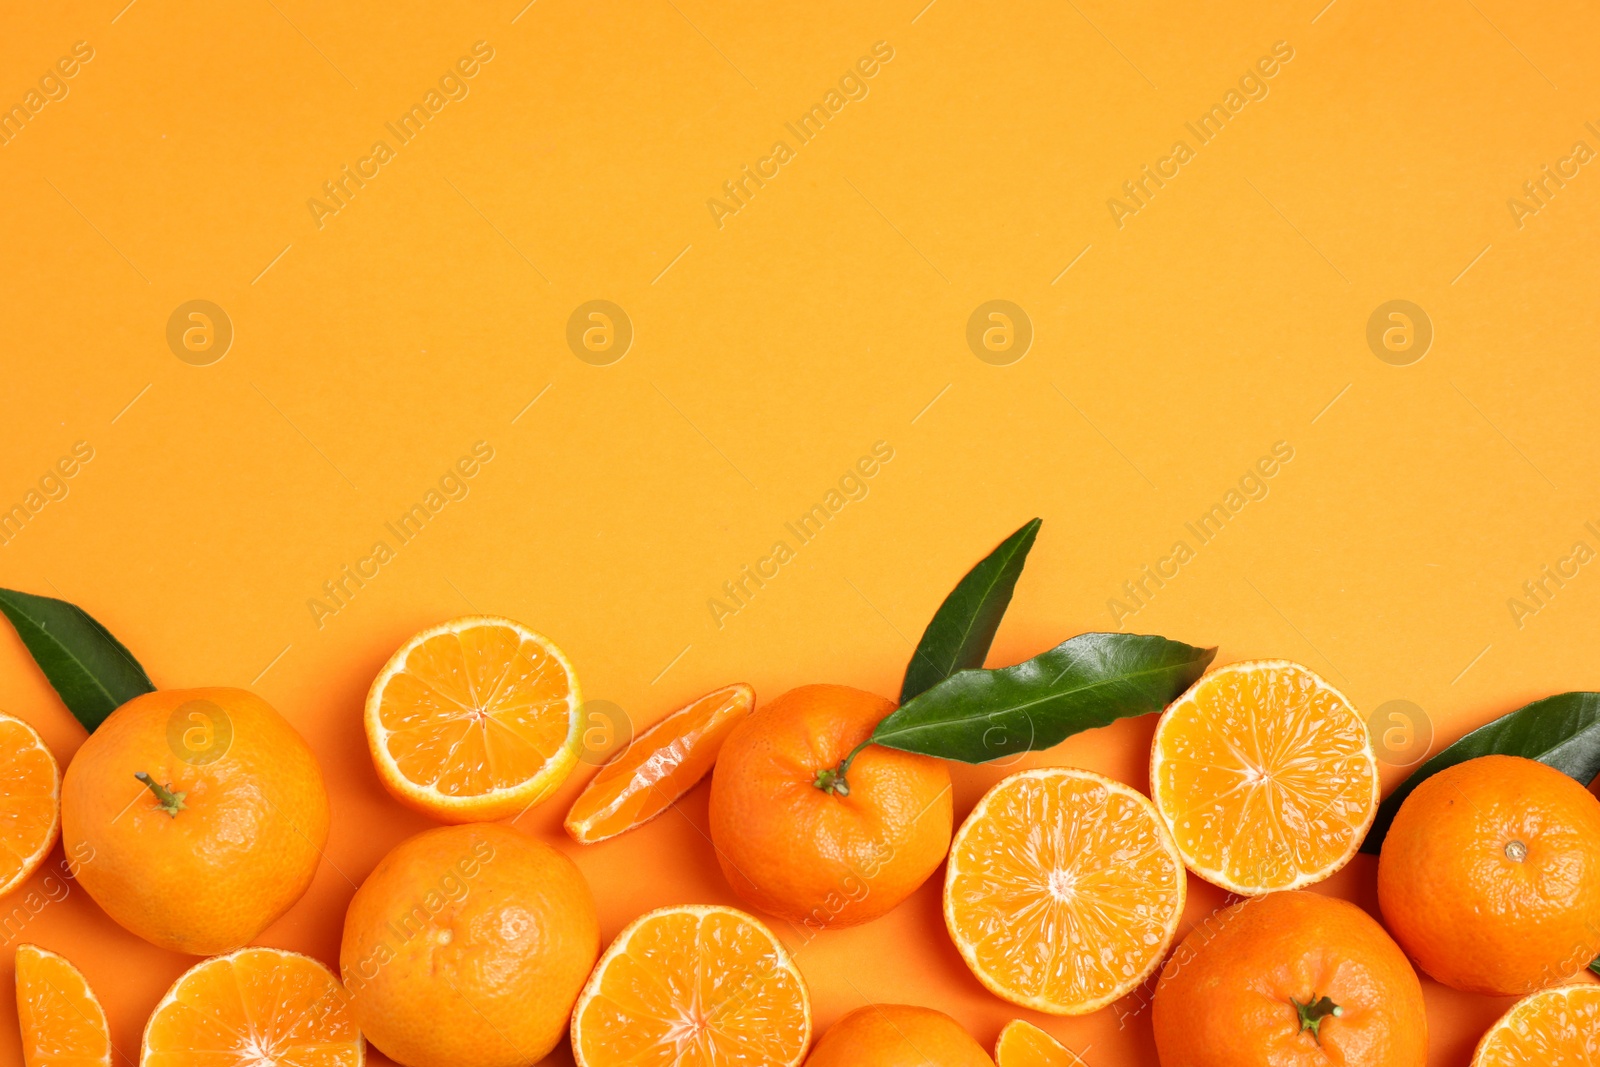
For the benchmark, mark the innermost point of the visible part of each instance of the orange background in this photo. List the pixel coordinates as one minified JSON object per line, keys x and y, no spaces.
{"x":829,"y":313}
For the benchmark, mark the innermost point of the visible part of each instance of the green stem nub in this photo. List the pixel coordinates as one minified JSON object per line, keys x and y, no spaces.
{"x":1313,"y":1012}
{"x":831,"y":780}
{"x":171,"y":802}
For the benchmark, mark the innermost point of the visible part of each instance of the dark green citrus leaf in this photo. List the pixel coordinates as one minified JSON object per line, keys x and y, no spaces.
{"x":90,"y":670}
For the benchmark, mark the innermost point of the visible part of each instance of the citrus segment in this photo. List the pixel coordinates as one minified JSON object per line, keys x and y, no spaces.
{"x":30,"y":802}
{"x":474,"y":720}
{"x":63,"y":1024}
{"x":1023,"y":1044}
{"x":252,"y":1008}
{"x":661,"y":765}
{"x":693,"y":986}
{"x":1554,"y":1028}
{"x":1063,"y":890}
{"x":1265,"y":776}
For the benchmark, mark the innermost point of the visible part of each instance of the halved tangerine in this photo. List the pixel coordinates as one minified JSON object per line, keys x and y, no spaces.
{"x":63,"y":1024}
{"x":1063,"y":890}
{"x":30,"y":802}
{"x":1551,"y":1028}
{"x":475,"y":719}
{"x":251,"y":1008}
{"x":693,"y":986}
{"x":1265,"y":776}
{"x":661,"y":765}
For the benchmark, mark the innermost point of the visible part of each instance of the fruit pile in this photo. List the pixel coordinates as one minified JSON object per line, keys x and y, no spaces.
{"x":195,"y":818}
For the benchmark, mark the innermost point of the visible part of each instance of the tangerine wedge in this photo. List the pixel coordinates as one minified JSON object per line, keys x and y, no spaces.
{"x":250,"y":1008}
{"x":1552,"y":1028}
{"x":1023,"y":1044}
{"x":63,"y":1024}
{"x":693,"y":986}
{"x":475,"y":719}
{"x":661,"y":765}
{"x":1265,"y":777}
{"x":30,"y":802}
{"x":1063,"y":890}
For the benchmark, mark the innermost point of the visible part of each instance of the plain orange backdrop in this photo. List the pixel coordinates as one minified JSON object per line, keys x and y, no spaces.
{"x":773,"y":346}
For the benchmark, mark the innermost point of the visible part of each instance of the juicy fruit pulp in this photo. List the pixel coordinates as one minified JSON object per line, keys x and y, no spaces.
{"x":1023,"y":1044}
{"x":474,"y":720}
{"x":30,"y":802}
{"x":467,"y":946}
{"x":1289,"y":980}
{"x":897,"y":1035}
{"x":62,"y":1022}
{"x":257,"y":1006}
{"x":1490,"y":876}
{"x":693,"y":986}
{"x":1063,"y":890}
{"x":1553,"y":1028}
{"x":1265,"y":776}
{"x":661,"y":765}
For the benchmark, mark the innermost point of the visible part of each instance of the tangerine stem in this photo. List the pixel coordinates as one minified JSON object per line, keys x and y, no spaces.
{"x":1313,"y":1012}
{"x":171,"y":802}
{"x":831,"y":780}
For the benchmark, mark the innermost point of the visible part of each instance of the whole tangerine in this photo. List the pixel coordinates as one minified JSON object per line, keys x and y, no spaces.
{"x":897,"y":1035}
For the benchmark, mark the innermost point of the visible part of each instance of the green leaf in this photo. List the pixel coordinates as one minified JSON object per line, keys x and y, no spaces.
{"x":1563,"y":731}
{"x":963,"y":628}
{"x":1084,"y":682}
{"x":90,"y":670}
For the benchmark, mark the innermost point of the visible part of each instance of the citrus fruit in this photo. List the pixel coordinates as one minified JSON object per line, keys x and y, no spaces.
{"x":204,"y":815}
{"x":1552,"y":1028}
{"x":1023,"y":1044}
{"x":1490,"y":876}
{"x":466,"y":947}
{"x":1063,"y":890}
{"x":63,"y":1024}
{"x":897,"y":1035}
{"x":1265,"y":775}
{"x":661,"y":765}
{"x":1289,"y":980}
{"x":30,"y":802}
{"x":798,"y":841}
{"x":693,"y":986}
{"x":473,"y":720}
{"x":257,"y":1007}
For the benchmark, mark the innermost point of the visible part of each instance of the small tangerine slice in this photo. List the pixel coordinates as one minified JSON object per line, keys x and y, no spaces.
{"x":1063,"y":890}
{"x":661,"y":765}
{"x":693,"y":986}
{"x":1265,"y":776}
{"x":1552,"y":1028}
{"x":63,"y":1024}
{"x":1023,"y":1044}
{"x":30,"y":802}
{"x":475,"y":719}
{"x":253,"y":1007}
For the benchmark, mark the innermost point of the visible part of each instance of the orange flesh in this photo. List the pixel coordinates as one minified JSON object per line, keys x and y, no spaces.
{"x":1022,"y":1044}
{"x":661,"y":765}
{"x":255,"y":1008}
{"x":1062,"y":892}
{"x":476,"y":711}
{"x":62,"y":1022}
{"x":28,"y":802}
{"x":1266,"y":778}
{"x":693,"y":990}
{"x":1555,"y":1027}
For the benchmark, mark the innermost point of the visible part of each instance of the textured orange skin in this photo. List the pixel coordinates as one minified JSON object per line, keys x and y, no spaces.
{"x":1474,"y":919}
{"x":1224,"y":998}
{"x":897,"y":1035}
{"x":240,"y":853}
{"x":794,"y":851}
{"x":467,"y":947}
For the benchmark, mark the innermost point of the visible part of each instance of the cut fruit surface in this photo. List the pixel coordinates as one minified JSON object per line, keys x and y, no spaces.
{"x":1063,"y":890}
{"x":661,"y":765}
{"x":474,"y":720}
{"x":63,"y":1024}
{"x":1265,"y":777}
{"x":1557,"y":1027}
{"x":693,"y":986}
{"x":253,"y":1008}
{"x":1023,"y":1044}
{"x":30,"y":802}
